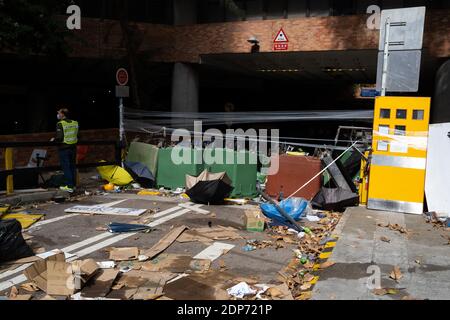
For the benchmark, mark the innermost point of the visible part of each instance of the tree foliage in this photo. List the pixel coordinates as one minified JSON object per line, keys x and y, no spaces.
{"x":30,"y":26}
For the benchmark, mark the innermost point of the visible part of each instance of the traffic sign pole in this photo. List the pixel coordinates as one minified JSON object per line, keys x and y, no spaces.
{"x":122,"y":91}
{"x":386,"y":58}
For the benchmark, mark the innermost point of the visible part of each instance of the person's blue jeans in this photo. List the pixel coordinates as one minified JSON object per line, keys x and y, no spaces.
{"x":67,"y":158}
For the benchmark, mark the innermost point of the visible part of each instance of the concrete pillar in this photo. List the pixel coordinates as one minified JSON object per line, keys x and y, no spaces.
{"x":185,"y":89}
{"x":184,"y":12}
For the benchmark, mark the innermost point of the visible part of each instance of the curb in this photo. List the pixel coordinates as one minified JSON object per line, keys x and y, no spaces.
{"x":32,"y":197}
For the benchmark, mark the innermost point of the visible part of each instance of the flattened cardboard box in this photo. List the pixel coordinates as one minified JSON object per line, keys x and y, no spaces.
{"x":54,"y":276}
{"x":124,"y":254}
{"x":37,"y":272}
{"x":65,"y":279}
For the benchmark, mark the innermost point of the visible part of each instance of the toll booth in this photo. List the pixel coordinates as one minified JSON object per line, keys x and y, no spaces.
{"x":400,"y":138}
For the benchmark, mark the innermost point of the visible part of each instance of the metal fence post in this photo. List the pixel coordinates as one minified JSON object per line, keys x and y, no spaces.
{"x":9,"y":165}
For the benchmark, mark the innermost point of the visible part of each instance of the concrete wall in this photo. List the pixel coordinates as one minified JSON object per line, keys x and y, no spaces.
{"x":187,"y":42}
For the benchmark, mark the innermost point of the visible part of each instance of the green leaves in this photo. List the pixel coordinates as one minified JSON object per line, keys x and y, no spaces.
{"x":31,"y":26}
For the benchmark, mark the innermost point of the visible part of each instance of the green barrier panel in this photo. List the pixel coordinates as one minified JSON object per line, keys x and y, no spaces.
{"x":144,"y":153}
{"x":241,"y":168}
{"x":172,"y":175}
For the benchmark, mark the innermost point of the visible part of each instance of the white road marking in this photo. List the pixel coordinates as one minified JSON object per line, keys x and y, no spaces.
{"x":163,"y":213}
{"x":193,"y":207}
{"x":121,"y":237}
{"x":21,"y":278}
{"x":44,"y":222}
{"x":86,"y":242}
{"x":214,"y":251}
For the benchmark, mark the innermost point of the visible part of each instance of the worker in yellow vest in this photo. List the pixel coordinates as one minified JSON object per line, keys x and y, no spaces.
{"x":67,"y":135}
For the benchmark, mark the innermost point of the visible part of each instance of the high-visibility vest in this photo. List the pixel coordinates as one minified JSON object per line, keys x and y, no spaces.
{"x":70,"y":130}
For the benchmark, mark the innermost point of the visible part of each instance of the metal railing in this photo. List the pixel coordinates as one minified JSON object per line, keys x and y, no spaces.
{"x":9,"y":171}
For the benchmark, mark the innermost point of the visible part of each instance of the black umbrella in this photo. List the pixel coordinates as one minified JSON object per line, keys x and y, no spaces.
{"x":335,"y":199}
{"x":208,"y":188}
{"x":140,"y":173}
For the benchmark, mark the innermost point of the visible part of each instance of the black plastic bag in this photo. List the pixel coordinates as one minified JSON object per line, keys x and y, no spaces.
{"x":12,"y":244}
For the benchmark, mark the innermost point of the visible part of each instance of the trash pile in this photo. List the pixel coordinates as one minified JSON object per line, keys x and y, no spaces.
{"x":299,"y":275}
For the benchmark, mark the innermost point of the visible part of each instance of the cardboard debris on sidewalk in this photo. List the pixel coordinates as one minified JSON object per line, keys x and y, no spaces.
{"x":208,"y":235}
{"x":124,"y":254}
{"x":165,"y":242}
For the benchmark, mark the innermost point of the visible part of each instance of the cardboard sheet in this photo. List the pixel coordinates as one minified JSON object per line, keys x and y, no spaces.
{"x":165,"y":242}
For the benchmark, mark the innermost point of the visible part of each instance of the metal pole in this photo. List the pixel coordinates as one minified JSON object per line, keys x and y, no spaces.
{"x":121,"y":128}
{"x":386,"y":58}
{"x":9,"y":165}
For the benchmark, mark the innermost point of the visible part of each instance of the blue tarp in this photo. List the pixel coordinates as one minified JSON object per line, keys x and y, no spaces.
{"x":295,"y":207}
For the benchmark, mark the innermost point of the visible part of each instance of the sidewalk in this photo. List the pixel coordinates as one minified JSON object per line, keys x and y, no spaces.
{"x":423,"y":255}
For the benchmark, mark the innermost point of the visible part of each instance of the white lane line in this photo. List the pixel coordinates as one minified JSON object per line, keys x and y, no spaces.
{"x":41,"y":223}
{"x":12,"y":282}
{"x":121,"y":237}
{"x":110,"y":204}
{"x":21,"y":278}
{"x":86,"y":242}
{"x":193,"y":207}
{"x":163,"y":213}
{"x":5,"y":285}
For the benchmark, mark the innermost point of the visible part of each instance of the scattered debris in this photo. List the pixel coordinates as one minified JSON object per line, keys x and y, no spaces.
{"x":12,"y":244}
{"x":101,"y":284}
{"x":13,"y":293}
{"x":304,"y":296}
{"x":149,"y":193}
{"x":385,"y":291}
{"x":327,"y":264}
{"x":214,"y":251}
{"x":254,"y":220}
{"x":106,"y":264}
{"x":241,"y":290}
{"x":124,"y":254}
{"x":395,"y":227}
{"x":115,"y":227}
{"x":385,"y":239}
{"x":396,"y":274}
{"x":248,"y":248}
{"x":104,"y":210}
{"x":30,"y":287}
{"x":208,"y":235}
{"x":165,"y":242}
{"x":176,"y":263}
{"x":26,"y":220}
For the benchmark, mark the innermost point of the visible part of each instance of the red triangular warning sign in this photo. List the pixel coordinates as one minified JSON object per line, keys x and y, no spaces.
{"x":281,"y":36}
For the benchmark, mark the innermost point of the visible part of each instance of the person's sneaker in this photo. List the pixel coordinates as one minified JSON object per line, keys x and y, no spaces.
{"x":67,"y":189}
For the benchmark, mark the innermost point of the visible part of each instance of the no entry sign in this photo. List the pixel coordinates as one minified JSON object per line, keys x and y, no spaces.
{"x":122,"y":77}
